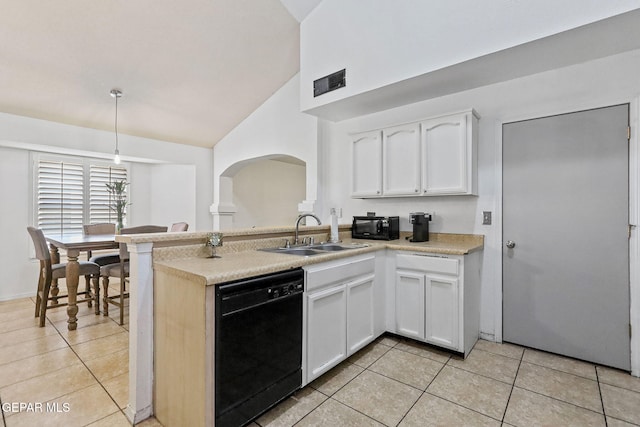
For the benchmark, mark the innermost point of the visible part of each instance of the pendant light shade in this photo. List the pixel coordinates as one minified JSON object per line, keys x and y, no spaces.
{"x":116,"y":94}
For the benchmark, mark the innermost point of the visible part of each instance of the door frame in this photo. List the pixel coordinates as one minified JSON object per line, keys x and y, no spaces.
{"x":634,"y":209}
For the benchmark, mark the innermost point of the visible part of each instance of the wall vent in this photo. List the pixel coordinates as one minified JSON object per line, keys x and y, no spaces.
{"x":328,"y":83}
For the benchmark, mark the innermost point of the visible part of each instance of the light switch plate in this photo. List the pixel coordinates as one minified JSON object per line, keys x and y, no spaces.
{"x":486,"y":217}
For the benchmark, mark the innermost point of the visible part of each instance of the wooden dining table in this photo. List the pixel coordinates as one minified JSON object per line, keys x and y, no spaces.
{"x":73,"y":244}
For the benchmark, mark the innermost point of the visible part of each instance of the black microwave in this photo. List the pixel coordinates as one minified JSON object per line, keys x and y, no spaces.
{"x":376,"y":227}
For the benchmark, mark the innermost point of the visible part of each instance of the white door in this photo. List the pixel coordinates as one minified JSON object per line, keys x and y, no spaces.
{"x":565,"y":235}
{"x":367,"y":164}
{"x":401,"y":160}
{"x":410,"y":304}
{"x":359,"y":313}
{"x":441,"y":311}
{"x":326,"y":330}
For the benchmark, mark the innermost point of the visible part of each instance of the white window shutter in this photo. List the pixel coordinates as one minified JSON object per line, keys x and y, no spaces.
{"x":99,"y":197}
{"x":60,"y":197}
{"x":72,"y":192}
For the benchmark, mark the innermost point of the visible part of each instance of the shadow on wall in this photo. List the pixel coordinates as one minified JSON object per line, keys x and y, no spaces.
{"x":266,"y":192}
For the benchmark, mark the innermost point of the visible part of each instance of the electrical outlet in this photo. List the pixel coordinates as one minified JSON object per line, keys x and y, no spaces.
{"x":486,"y":217}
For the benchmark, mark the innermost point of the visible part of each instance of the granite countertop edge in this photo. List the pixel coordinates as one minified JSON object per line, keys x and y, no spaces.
{"x":250,"y":263}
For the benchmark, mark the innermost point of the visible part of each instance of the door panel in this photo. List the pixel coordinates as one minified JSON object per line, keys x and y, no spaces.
{"x":359,"y":313}
{"x":442,"y":311}
{"x":401,"y":160}
{"x":367,"y":164}
{"x":410,"y":304}
{"x":565,"y":205}
{"x":326,"y":330}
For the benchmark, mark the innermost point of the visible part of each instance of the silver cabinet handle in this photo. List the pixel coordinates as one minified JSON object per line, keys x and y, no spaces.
{"x":511,"y":244}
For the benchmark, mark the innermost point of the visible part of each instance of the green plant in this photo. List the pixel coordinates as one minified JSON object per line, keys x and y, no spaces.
{"x":117,"y":190}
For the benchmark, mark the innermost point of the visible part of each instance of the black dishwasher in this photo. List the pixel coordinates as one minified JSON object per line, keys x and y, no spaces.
{"x":258,"y":344}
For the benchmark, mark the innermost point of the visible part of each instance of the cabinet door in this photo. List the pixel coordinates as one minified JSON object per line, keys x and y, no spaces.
{"x":326,"y":330}
{"x":367,"y":164}
{"x":410,"y":304}
{"x":444,"y":155}
{"x":359,"y":313}
{"x":401,"y":160}
{"x":442,"y":311}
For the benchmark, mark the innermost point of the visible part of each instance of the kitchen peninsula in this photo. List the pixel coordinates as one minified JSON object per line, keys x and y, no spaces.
{"x":178,"y":293}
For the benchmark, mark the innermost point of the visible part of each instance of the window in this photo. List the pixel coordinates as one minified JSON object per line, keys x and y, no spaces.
{"x":99,"y":197}
{"x":71,"y":192}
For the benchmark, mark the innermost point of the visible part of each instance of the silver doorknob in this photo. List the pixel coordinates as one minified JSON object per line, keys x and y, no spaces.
{"x":511,"y":244}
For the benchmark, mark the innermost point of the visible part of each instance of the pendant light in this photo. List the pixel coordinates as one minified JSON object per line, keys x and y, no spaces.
{"x":116,"y":94}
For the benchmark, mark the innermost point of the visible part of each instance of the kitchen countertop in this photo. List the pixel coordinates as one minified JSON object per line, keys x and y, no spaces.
{"x":239,"y":265}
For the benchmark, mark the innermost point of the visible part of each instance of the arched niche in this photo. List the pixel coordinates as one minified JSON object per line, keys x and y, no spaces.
{"x":269,"y":190}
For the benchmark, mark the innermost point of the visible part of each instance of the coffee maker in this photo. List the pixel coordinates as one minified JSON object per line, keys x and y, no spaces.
{"x":420,"y":221}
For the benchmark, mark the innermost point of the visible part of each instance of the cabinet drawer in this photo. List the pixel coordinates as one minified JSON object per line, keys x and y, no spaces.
{"x":427,"y":263}
{"x":325,"y":274}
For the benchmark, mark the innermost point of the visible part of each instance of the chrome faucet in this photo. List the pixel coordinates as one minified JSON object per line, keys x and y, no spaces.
{"x":295,"y":240}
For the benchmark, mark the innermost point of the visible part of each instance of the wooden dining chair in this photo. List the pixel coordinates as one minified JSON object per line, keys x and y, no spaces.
{"x":101,"y":228}
{"x":102,"y":259}
{"x":179,"y":226}
{"x":49,"y":272}
{"x":121,"y":270}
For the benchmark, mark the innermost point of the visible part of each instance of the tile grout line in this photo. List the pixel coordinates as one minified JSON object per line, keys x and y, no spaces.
{"x":482,"y":375}
{"x":474,"y":373}
{"x":604,"y":413}
{"x":364,"y":369}
{"x":423,"y":391}
{"x":91,"y":372}
{"x":339,"y":403}
{"x":83,"y":364}
{"x":4,"y":421}
{"x":559,"y":370}
{"x":512,"y":387}
{"x":82,"y":361}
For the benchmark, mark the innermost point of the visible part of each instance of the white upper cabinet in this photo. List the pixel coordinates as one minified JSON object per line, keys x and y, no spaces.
{"x":367,"y":164}
{"x":449,"y":154}
{"x":435,"y":157}
{"x":401,"y":160}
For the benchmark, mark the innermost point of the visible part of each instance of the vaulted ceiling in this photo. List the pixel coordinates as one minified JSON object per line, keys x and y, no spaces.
{"x":189,"y":70}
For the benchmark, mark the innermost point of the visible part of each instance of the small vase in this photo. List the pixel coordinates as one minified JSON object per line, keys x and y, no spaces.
{"x":118,"y":225}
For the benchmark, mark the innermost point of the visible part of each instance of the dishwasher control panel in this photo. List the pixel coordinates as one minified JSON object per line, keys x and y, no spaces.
{"x":284,"y":290}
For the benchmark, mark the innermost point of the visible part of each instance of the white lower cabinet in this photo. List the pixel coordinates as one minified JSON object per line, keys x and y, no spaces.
{"x":437,"y":299}
{"x":340,"y":310}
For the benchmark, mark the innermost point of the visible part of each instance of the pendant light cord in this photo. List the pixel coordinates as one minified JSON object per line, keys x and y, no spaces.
{"x":116,"y":125}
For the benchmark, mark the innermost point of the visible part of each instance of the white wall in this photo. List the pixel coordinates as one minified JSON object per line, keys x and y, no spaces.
{"x":388,"y":42}
{"x":276,"y":128}
{"x":598,"y":83}
{"x":19,"y":134}
{"x":173,"y":192}
{"x":267,"y":193}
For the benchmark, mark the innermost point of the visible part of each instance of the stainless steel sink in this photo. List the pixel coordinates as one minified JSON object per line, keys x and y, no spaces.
{"x":301,"y":251}
{"x":314,"y":249}
{"x":337,"y":246}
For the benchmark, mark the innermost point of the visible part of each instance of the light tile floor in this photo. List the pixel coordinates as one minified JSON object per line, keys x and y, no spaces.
{"x":62,"y":377}
{"x":392,"y":382}
{"x":397,"y":382}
